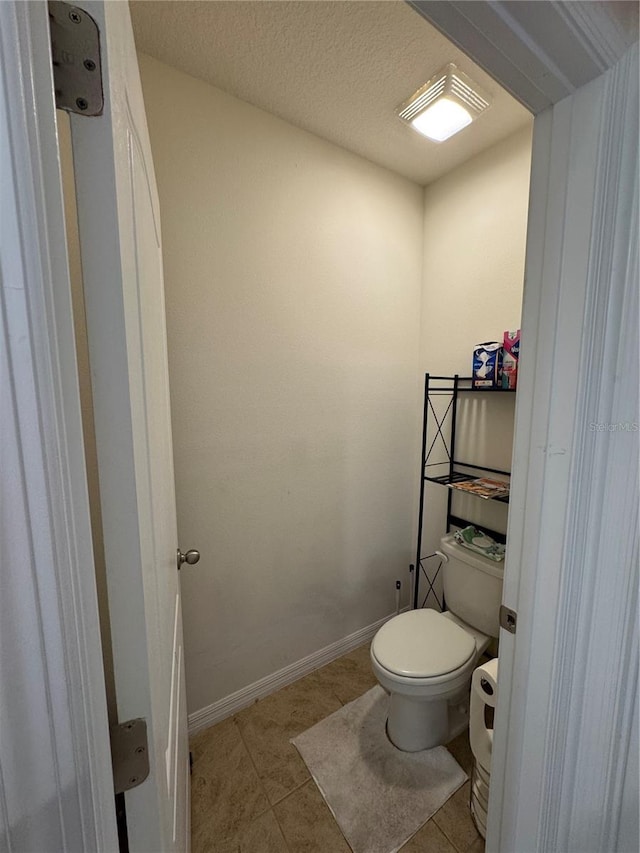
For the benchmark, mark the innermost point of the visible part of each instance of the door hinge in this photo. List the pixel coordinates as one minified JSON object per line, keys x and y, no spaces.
{"x":508,"y":619}
{"x":75,"y":54}
{"x":129,"y":754}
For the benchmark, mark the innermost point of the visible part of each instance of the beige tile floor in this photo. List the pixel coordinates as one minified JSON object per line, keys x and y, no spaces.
{"x":251,"y":792}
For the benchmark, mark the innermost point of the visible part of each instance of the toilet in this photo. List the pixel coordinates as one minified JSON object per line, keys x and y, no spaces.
{"x":424,"y":659}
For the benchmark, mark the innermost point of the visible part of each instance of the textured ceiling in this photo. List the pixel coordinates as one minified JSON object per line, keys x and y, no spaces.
{"x":337,"y":69}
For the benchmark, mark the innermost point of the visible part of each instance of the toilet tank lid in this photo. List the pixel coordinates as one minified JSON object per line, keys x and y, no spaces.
{"x":422,"y":644}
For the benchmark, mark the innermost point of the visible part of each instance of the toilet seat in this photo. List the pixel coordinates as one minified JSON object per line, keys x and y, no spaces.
{"x":423,"y":645}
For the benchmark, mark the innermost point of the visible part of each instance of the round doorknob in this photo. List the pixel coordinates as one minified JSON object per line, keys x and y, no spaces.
{"x":191,"y":557}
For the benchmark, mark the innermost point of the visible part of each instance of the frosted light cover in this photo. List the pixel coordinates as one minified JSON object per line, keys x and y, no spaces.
{"x":441,"y":120}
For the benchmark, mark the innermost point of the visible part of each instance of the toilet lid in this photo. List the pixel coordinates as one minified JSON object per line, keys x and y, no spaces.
{"x":422,"y":644}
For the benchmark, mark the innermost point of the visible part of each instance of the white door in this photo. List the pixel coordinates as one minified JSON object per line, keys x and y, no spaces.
{"x":119,"y":226}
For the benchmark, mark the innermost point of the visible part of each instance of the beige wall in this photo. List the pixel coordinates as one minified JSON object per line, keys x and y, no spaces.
{"x":474,"y":244}
{"x":474,"y":250}
{"x":304,"y":287}
{"x":293,"y":284}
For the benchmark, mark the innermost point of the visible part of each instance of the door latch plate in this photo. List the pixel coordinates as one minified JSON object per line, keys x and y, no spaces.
{"x":508,"y":619}
{"x":75,"y":53}
{"x":129,"y":754}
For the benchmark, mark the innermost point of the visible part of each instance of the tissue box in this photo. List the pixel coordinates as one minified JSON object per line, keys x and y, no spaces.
{"x":487,"y":365}
{"x":510,"y":356}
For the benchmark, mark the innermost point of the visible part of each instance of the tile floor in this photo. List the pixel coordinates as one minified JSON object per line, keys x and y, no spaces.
{"x":251,"y":792}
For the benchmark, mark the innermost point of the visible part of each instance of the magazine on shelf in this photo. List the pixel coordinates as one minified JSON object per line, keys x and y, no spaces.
{"x":483,"y":487}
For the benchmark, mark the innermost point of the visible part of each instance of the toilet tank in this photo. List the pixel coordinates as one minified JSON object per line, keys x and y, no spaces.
{"x":472,"y":586}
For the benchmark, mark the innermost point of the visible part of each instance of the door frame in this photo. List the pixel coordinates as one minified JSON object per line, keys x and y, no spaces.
{"x":29,"y":146}
{"x":63,"y":771}
{"x":563,"y":759}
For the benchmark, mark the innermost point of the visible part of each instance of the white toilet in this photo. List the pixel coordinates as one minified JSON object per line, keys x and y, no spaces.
{"x":424,"y":659}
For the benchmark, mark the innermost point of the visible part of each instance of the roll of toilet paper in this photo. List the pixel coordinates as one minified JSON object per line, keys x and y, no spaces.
{"x":485,"y":682}
{"x":484,"y":691}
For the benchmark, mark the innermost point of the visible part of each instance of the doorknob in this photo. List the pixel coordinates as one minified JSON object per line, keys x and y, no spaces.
{"x":191,"y":557}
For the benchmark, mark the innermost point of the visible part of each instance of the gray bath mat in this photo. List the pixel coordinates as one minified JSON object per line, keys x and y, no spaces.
{"x":379,"y":796}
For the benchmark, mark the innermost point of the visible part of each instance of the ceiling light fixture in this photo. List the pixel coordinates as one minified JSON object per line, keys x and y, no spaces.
{"x":444,"y":105}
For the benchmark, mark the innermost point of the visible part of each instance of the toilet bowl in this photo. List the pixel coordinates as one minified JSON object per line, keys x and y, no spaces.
{"x":424,"y":659}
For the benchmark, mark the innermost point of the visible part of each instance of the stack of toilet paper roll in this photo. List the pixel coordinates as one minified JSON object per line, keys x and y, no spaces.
{"x":484,"y":691}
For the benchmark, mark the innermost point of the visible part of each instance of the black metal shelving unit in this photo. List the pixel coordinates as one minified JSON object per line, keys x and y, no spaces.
{"x":455,"y":470}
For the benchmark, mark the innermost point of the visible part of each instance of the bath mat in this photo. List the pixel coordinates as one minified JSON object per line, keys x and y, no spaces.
{"x":378,"y":795}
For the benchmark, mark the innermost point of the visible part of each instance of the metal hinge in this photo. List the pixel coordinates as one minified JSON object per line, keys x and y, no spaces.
{"x":508,"y":619}
{"x":129,"y":754}
{"x":75,"y":53}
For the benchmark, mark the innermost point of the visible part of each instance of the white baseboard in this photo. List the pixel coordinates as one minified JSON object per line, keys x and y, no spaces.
{"x":228,"y":706}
